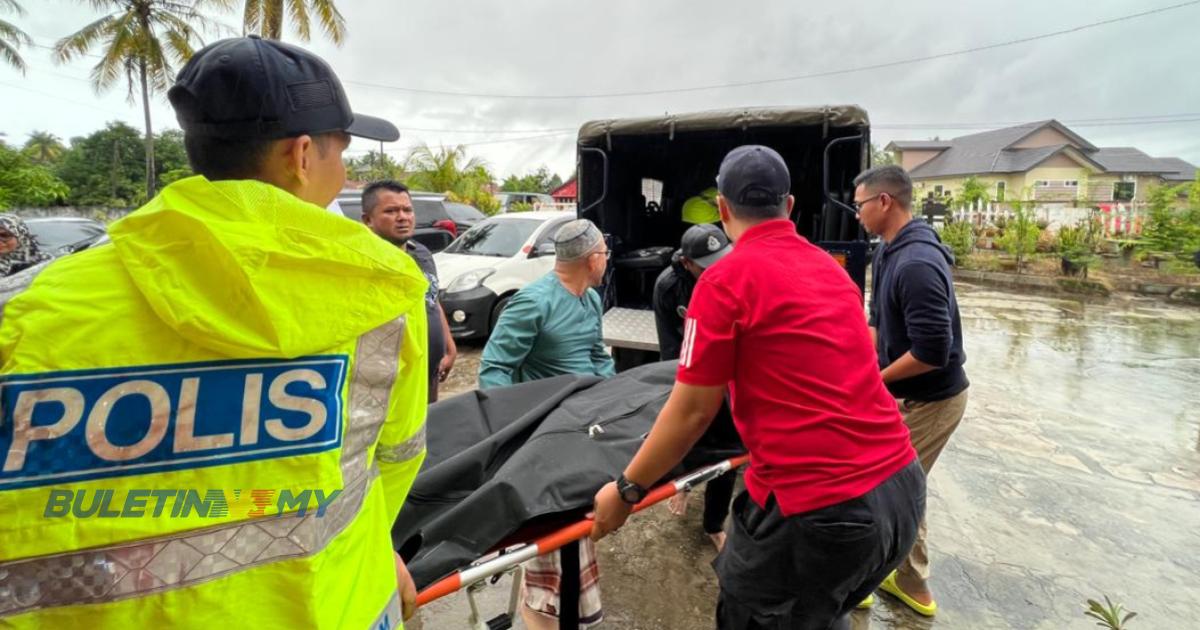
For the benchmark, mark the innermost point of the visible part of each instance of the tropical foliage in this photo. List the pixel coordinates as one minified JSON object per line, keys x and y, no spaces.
{"x":12,"y":38}
{"x":140,"y":43}
{"x":266,"y":17}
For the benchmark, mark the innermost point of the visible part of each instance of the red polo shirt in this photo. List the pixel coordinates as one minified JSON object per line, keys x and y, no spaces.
{"x":782,"y":324}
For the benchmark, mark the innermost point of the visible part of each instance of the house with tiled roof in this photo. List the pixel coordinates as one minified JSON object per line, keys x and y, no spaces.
{"x":1043,"y":161}
{"x":567,"y":193}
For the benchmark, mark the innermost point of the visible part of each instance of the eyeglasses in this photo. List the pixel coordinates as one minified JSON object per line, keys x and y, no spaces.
{"x":606,"y":253}
{"x":858,"y":205}
{"x":4,"y":236}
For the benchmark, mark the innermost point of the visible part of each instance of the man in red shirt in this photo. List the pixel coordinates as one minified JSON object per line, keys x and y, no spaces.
{"x":833,"y":492}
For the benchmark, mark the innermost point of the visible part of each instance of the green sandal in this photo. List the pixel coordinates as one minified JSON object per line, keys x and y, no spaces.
{"x":889,"y":586}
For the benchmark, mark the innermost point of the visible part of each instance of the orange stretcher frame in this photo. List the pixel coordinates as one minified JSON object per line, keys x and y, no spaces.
{"x":571,"y":533}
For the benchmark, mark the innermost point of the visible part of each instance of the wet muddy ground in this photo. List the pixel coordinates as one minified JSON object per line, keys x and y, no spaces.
{"x":1076,"y":473}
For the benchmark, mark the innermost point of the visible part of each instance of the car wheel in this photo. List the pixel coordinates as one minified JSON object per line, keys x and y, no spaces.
{"x":501,"y":304}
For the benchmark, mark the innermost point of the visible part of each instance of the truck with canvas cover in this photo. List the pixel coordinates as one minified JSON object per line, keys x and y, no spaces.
{"x":639,"y":177}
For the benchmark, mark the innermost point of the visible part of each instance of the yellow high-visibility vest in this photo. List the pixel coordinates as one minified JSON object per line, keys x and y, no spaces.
{"x":211,"y":422}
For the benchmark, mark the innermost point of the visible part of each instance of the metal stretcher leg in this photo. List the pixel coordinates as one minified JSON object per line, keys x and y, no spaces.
{"x":504,"y":620}
{"x":569,"y":588}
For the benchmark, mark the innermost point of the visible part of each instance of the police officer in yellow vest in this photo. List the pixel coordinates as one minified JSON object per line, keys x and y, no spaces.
{"x":213,"y":421}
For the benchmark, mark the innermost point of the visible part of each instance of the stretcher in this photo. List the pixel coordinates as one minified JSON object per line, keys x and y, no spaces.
{"x":511,"y":472}
{"x":527,"y":458}
{"x":508,"y":560}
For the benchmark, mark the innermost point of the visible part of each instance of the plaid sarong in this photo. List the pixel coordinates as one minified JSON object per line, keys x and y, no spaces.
{"x":543,"y":582}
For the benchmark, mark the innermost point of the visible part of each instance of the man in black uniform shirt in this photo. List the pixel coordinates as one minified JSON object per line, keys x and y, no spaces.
{"x":388,"y":211}
{"x":701,"y":246}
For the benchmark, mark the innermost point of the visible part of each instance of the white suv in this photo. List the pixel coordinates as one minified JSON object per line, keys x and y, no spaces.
{"x":490,"y":262}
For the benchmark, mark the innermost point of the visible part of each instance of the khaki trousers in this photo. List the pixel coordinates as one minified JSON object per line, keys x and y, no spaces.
{"x":931,"y":424}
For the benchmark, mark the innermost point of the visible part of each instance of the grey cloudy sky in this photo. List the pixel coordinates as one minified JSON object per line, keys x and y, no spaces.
{"x":1143,"y":67}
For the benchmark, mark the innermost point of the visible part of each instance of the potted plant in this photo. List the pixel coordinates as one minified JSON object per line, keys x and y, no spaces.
{"x":1077,"y":245}
{"x":959,"y":237}
{"x":1020,"y":232}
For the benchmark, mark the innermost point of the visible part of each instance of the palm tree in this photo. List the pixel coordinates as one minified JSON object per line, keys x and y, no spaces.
{"x":445,"y":169}
{"x":265,"y":17}
{"x":12,"y":38}
{"x":137,"y":42}
{"x":449,"y":170}
{"x":43,"y":147}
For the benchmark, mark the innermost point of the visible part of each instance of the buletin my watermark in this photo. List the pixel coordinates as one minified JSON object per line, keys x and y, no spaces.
{"x":186,"y":503}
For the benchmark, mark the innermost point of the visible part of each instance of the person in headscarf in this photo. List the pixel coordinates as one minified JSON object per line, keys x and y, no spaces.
{"x":19,"y":250}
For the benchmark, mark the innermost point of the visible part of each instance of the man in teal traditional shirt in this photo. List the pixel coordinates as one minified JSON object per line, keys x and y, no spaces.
{"x":552,"y":326}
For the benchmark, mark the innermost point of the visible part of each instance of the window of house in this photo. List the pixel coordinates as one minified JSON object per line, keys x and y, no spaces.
{"x":1071,"y":183}
{"x":999,"y":191}
{"x":1124,"y":191}
{"x":937,"y":190}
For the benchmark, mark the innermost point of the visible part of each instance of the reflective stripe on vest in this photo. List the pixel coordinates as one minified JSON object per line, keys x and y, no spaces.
{"x":184,"y":559}
{"x":404,"y":451}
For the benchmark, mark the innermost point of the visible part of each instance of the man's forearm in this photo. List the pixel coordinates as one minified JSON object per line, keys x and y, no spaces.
{"x":907,"y":366}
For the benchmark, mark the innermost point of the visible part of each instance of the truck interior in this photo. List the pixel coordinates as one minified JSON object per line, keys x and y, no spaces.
{"x":635,"y":175}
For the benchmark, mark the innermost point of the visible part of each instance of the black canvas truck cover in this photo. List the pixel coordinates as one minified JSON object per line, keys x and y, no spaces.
{"x":635,"y":174}
{"x":596,"y":133}
{"x":527,"y":456}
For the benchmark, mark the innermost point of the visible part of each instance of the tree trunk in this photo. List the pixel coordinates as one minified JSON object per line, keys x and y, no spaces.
{"x":149,"y":135}
{"x":273,"y":20}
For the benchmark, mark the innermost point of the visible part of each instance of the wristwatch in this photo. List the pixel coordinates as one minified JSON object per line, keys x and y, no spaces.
{"x":630,"y":492}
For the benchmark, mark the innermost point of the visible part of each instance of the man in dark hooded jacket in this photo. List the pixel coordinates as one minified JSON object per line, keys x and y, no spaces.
{"x":918,"y":335}
{"x":701,"y":247}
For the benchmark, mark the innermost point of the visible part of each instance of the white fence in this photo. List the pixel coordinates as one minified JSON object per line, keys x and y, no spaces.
{"x":558,"y":205}
{"x":1118,"y":219}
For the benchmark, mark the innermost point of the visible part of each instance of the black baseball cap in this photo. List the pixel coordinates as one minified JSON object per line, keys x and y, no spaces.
{"x":705,"y":244}
{"x":249,"y":87}
{"x":754,"y":175}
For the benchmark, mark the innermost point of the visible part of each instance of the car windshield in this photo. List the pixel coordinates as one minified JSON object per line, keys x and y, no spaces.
{"x":497,"y":237}
{"x":463,"y":212}
{"x":54,"y":235}
{"x":429,"y":211}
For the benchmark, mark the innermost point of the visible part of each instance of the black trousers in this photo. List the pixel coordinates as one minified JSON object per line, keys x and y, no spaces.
{"x":808,"y":571}
{"x":719,"y":492}
{"x":717,"y":495}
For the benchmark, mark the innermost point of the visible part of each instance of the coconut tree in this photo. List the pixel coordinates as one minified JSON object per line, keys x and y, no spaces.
{"x":450,"y":170}
{"x":43,"y":147}
{"x":12,"y":38}
{"x":265,"y":17}
{"x":139,"y":43}
{"x":444,"y":169}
